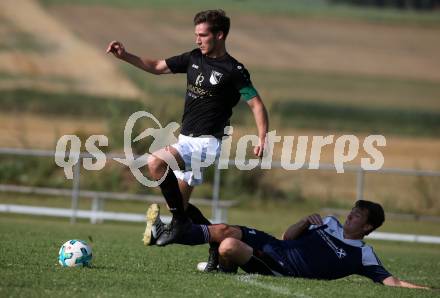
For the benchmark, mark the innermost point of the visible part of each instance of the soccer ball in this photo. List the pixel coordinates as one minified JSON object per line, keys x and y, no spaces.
{"x":75,"y":253}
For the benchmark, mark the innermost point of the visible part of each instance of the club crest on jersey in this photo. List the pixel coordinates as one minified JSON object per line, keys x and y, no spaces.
{"x":215,"y":77}
{"x":340,"y":253}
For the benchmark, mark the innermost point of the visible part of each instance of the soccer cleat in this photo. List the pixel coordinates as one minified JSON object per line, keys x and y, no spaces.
{"x":155,"y":227}
{"x":174,"y":231}
{"x":220,"y":269}
{"x":212,"y":264}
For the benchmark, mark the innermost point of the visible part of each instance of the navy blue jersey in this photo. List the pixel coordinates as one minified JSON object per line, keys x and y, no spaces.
{"x":323,"y":253}
{"x":214,"y":87}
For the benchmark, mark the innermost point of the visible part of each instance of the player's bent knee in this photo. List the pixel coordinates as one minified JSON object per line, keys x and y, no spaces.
{"x":228,"y":247}
{"x":156,"y":166}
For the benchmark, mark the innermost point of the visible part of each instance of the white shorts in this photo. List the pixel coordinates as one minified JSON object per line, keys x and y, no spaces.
{"x":197,"y":153}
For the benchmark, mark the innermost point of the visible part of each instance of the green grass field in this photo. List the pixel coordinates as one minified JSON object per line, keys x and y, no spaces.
{"x":326,"y":99}
{"x":123,"y":267}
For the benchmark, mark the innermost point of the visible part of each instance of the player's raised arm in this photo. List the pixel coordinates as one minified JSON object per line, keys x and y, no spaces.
{"x":261,"y":119}
{"x":152,"y":66}
{"x":295,"y":230}
{"x":395,"y":282}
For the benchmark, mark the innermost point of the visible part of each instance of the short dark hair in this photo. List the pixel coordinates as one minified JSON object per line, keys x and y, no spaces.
{"x":376,"y":215}
{"x":216,"y":19}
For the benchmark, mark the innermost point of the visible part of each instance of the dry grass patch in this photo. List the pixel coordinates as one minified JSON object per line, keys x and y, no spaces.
{"x":25,"y":130}
{"x":45,"y":49}
{"x":275,"y":42}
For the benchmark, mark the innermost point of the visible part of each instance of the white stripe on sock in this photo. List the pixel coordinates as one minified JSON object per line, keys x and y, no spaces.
{"x":205,"y":232}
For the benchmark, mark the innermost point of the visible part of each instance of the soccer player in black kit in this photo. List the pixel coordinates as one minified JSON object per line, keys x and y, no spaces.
{"x":215,"y":83}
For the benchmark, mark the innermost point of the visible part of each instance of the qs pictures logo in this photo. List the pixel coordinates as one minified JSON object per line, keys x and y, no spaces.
{"x":163,"y":136}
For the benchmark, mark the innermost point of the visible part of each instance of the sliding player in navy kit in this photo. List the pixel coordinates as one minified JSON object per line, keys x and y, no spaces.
{"x":315,"y":247}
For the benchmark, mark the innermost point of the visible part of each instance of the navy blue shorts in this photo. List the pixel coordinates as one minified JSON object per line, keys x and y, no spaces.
{"x":259,"y":240}
{"x":255,"y":238}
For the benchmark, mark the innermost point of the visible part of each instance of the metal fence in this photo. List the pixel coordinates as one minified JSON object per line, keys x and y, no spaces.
{"x":219,"y":207}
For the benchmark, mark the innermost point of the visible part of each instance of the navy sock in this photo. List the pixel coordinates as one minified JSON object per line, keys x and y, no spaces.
{"x":256,"y":265}
{"x":233,"y":269}
{"x":198,"y":234}
{"x":197,"y":217}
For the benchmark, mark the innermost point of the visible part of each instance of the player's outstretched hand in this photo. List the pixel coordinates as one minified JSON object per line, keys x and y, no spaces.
{"x":314,"y":219}
{"x":259,"y":150}
{"x":116,"y":48}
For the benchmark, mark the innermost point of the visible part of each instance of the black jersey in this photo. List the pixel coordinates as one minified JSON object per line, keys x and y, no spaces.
{"x":213,"y":89}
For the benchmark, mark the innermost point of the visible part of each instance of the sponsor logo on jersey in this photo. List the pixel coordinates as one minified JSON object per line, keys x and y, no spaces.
{"x":252,"y":232}
{"x":199,"y":79}
{"x":215,"y":77}
{"x":196,"y":92}
{"x":195,"y":66}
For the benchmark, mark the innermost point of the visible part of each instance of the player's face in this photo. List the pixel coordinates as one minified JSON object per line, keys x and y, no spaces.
{"x":356,"y":221}
{"x":205,"y":39}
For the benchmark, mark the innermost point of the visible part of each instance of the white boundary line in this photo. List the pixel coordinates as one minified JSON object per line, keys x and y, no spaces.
{"x":252,"y":279}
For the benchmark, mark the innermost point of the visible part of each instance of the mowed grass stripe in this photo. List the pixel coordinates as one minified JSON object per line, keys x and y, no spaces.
{"x":349,"y":89}
{"x":317,"y":115}
{"x":64,"y":104}
{"x":290,"y":112}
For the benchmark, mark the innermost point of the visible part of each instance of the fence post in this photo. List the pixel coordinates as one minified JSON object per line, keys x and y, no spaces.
{"x":360,"y":184}
{"x":95,"y":209}
{"x":75,"y":190}
{"x":216,"y":194}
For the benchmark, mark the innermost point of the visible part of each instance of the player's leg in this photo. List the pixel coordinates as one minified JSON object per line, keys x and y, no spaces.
{"x":219,"y":232}
{"x":234,"y":252}
{"x":195,"y":235}
{"x":201,"y":234}
{"x":161,"y":164}
{"x":251,"y":237}
{"x":196,"y":154}
{"x":186,"y":191}
{"x":197,"y":217}
{"x":192,"y":211}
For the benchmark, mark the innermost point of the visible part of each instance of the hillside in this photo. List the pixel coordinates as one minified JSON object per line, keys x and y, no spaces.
{"x":39,"y":52}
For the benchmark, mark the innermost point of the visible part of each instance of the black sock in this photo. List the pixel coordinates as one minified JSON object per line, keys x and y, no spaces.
{"x":196,"y":215}
{"x":171,"y":192}
{"x":256,"y":265}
